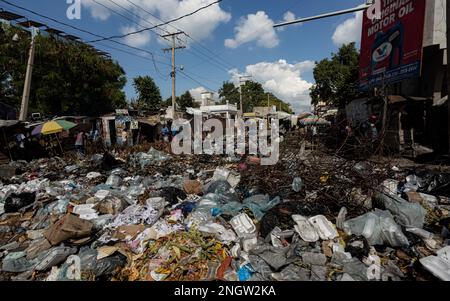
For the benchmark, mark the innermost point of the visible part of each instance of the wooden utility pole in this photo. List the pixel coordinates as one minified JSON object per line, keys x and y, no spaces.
{"x":27,"y":85}
{"x":242,"y":79}
{"x":174,"y":68}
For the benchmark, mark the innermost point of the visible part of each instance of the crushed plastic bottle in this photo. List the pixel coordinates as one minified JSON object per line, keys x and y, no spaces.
{"x":297,"y":184}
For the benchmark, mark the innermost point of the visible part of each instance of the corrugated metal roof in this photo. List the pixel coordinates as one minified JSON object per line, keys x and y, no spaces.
{"x":8,"y":123}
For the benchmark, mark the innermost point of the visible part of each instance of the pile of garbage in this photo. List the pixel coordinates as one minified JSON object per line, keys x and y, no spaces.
{"x":154,"y":216}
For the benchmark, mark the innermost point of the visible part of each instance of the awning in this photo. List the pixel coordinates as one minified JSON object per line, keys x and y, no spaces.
{"x":150,"y":121}
{"x":399,"y":98}
{"x":8,"y":123}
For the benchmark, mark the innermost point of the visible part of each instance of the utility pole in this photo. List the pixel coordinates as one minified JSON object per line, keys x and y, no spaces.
{"x":368,"y":4}
{"x":28,"y":76}
{"x":173,"y":73}
{"x":242,"y":79}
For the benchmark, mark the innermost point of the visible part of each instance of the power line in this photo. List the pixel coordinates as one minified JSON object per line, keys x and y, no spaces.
{"x":108,"y":46}
{"x":149,"y":13}
{"x":216,"y":62}
{"x":103,"y":45}
{"x":129,"y":19}
{"x":257,"y":32}
{"x":196,"y":81}
{"x":132,"y":13}
{"x":201,"y":78}
{"x":114,"y":11}
{"x":158,"y":25}
{"x":125,"y":17}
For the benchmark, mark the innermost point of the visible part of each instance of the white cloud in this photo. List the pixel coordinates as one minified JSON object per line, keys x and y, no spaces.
{"x":200,"y":25}
{"x":289,"y":16}
{"x":282,"y":79}
{"x":254,"y":28}
{"x":197,"y":93}
{"x":97,"y":11}
{"x":135,"y":40}
{"x":349,"y":31}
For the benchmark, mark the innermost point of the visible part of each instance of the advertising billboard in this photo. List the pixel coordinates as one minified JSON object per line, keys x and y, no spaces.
{"x":391,"y":47}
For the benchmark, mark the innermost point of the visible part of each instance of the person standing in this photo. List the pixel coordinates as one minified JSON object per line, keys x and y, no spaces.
{"x":165,"y":133}
{"x":79,"y":143}
{"x":124,"y":138}
{"x":20,"y":138}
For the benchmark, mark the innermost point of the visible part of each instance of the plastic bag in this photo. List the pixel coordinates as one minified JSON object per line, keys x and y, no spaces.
{"x":223,"y":191}
{"x":102,"y":267}
{"x":408,"y":214}
{"x":258,"y":204}
{"x":15,"y":202}
{"x":378,"y":227}
{"x":114,"y":180}
{"x":16,"y":263}
{"x":53,"y":257}
{"x":136,"y":214}
{"x":223,"y":174}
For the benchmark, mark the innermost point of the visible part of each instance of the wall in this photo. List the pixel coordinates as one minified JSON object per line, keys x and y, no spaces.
{"x":435,"y":24}
{"x":358,"y":111}
{"x":433,"y":70}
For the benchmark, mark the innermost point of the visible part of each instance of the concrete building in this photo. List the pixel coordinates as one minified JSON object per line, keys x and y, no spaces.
{"x":417,"y":116}
{"x":207,"y":99}
{"x":432,"y":84}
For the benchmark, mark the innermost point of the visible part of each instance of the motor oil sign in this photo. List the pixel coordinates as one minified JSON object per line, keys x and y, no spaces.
{"x":391,"y":45}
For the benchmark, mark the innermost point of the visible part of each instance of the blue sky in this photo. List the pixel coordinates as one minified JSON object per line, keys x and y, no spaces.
{"x":236,"y":37}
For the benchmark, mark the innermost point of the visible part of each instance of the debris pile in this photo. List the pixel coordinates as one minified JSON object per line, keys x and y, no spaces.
{"x":154,"y":216}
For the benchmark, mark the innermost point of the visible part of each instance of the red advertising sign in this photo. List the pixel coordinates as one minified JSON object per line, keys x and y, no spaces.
{"x":391,"y":47}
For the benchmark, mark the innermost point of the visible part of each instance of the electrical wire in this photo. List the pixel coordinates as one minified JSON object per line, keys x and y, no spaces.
{"x":87,"y":32}
{"x":158,"y":25}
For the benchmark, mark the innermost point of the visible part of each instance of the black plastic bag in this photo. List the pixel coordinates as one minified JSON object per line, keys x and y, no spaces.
{"x":15,"y":202}
{"x":173,"y":195}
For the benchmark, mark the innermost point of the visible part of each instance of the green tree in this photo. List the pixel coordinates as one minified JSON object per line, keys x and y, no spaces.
{"x":186,"y":101}
{"x":278,"y":103}
{"x":337,"y":78}
{"x":253,"y":95}
{"x":69,"y":78}
{"x":229,"y":92}
{"x":149,"y":95}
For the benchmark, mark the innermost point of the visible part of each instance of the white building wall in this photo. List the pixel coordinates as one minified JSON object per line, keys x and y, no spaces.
{"x":435,"y":24}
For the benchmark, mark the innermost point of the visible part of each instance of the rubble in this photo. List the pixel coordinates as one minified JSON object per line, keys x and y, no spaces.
{"x":154,"y":216}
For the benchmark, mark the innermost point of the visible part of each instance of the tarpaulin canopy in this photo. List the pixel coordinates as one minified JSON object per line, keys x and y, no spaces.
{"x":53,"y":127}
{"x":314,"y":120}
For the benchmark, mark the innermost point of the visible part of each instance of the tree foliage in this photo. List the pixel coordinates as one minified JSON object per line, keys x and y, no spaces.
{"x":149,"y":95}
{"x":69,"y":78}
{"x":229,"y":92}
{"x":337,"y":78}
{"x":253,"y":95}
{"x":184,"y":101}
